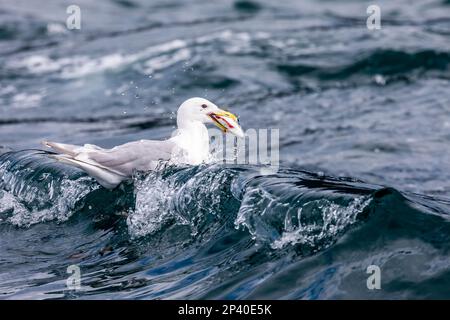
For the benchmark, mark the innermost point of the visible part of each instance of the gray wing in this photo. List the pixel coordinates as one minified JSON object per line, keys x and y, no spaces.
{"x":140,"y":155}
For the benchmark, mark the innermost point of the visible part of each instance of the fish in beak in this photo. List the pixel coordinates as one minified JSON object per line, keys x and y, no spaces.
{"x":227,"y":122}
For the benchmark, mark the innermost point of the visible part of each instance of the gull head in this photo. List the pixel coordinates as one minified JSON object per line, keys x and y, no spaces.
{"x":204,"y":111}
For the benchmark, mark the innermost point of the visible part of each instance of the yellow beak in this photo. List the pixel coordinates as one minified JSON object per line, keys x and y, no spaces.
{"x":227,"y":122}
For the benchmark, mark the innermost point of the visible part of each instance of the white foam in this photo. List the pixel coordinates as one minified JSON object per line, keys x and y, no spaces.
{"x":26,"y":100}
{"x":80,"y":66}
{"x":156,"y":57}
{"x":4,"y":90}
{"x":56,"y":28}
{"x":163,"y":62}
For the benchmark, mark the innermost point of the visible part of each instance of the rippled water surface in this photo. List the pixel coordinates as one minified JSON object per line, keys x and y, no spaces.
{"x":364,"y":134}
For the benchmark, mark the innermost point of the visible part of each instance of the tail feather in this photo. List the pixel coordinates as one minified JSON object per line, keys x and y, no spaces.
{"x":73,"y":155}
{"x":105,"y":177}
{"x":68,"y":149}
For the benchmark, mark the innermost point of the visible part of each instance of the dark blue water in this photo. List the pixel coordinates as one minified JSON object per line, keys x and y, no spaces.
{"x":364,"y":119}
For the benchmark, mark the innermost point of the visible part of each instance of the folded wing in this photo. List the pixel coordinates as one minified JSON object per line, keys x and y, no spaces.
{"x":112,"y":166}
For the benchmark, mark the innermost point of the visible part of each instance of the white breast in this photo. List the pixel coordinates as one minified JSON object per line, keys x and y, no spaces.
{"x":192,"y":144}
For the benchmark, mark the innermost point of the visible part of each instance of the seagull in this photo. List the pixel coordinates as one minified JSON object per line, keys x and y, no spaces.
{"x":189,"y":145}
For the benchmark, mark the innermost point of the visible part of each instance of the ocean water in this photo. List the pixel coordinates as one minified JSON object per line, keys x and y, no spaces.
{"x":364,"y":119}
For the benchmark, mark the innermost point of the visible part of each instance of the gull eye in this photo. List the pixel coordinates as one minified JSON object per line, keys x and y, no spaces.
{"x":204,"y":106}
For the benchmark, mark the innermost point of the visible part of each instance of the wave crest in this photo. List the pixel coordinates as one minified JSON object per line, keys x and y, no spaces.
{"x":287,"y":209}
{"x":34,"y":191}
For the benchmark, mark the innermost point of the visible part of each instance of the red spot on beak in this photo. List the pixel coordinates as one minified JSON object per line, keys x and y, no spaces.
{"x":229,"y":124}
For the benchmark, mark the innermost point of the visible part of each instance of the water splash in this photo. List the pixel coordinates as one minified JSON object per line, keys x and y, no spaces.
{"x":152,"y":209}
{"x":333,"y":219}
{"x":185,"y":196}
